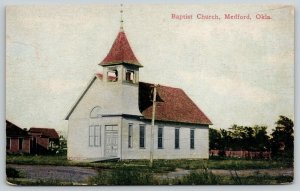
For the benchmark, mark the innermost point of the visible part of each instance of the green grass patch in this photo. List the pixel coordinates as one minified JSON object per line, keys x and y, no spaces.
{"x":37,"y":159}
{"x":123,"y":176}
{"x":198,"y":178}
{"x":243,"y":164}
{"x":259,"y":180}
{"x":140,"y":177}
{"x":226,"y":164}
{"x":158,"y":165}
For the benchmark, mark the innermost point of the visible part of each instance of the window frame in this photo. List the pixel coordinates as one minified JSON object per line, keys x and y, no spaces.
{"x":114,"y":77}
{"x":94,"y":135}
{"x":130,"y":135}
{"x":95,"y":112}
{"x":142,"y":126}
{"x":21,"y":141}
{"x":192,"y":139}
{"x":131,"y":74}
{"x":160,"y":139}
{"x":97,"y":127}
{"x":177,"y":139}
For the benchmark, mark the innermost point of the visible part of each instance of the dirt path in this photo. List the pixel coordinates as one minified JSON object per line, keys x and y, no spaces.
{"x":81,"y":174}
{"x":62,"y":173}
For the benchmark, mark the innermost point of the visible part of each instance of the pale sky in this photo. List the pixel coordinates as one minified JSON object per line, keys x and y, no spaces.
{"x":237,"y":71}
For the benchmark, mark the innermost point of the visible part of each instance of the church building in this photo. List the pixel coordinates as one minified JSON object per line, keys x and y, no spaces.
{"x":112,"y":117}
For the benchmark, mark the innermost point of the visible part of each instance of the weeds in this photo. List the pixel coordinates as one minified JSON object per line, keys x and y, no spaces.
{"x":203,"y":177}
{"x":137,"y":172}
{"x":158,"y":166}
{"x":123,"y":176}
{"x":198,"y":178}
{"x":12,"y":173}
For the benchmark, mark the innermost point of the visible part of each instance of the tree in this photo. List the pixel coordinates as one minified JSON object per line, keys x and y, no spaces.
{"x":242,"y":137}
{"x":214,"y":139}
{"x":283,"y":137}
{"x":226,"y":140}
{"x":249,"y":138}
{"x":262,"y":140}
{"x":237,"y":134}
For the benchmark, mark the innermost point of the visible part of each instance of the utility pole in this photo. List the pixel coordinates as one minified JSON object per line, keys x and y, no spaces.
{"x":152,"y":124}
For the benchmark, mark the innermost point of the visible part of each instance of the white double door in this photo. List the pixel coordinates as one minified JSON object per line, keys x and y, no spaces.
{"x":111,"y":141}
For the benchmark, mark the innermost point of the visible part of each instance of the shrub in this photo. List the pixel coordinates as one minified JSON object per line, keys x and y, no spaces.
{"x":12,"y":173}
{"x":198,"y":178}
{"x":123,"y":176}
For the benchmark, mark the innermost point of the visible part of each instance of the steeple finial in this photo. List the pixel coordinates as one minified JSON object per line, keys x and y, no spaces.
{"x":121,"y":21}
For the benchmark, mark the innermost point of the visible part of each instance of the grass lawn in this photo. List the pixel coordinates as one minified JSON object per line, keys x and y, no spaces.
{"x":160,"y":165}
{"x":137,"y":172}
{"x":134,"y":177}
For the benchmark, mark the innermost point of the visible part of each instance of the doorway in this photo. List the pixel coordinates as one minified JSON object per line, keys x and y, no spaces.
{"x":111,"y":141}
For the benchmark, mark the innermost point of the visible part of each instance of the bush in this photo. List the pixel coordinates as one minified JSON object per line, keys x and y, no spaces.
{"x":12,"y":173}
{"x":123,"y":176}
{"x":199,"y":178}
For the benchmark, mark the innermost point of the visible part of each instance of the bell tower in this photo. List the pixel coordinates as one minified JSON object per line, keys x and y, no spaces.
{"x":120,"y":64}
{"x":121,"y":72}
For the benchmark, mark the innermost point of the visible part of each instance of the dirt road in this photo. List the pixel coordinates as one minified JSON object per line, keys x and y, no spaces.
{"x":81,"y":174}
{"x":62,"y":173}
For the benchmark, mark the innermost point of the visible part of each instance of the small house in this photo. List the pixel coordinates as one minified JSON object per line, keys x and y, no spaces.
{"x":44,"y":140}
{"x":17,"y":139}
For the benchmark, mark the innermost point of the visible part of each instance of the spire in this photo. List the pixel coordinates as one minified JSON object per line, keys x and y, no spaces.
{"x":121,"y":52}
{"x":121,"y":20}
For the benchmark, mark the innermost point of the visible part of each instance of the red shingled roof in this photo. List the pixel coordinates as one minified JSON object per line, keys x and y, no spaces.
{"x":175,"y":106}
{"x":51,"y":133}
{"x":121,"y":52}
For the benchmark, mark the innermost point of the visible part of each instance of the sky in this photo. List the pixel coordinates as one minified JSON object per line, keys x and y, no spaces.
{"x":237,"y":71}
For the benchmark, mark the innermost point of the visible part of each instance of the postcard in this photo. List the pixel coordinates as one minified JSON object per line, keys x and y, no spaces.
{"x":145,"y":94}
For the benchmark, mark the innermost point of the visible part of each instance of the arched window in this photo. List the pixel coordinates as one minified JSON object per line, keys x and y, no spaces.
{"x":95,"y":112}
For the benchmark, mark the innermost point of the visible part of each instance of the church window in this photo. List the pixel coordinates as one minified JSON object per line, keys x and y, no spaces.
{"x":192,"y":138}
{"x":130,"y":76}
{"x":177,"y":138}
{"x":95,"y":112}
{"x":160,"y":137}
{"x":94,"y":135}
{"x":112,"y":75}
{"x":130,"y":136}
{"x":142,"y":136}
